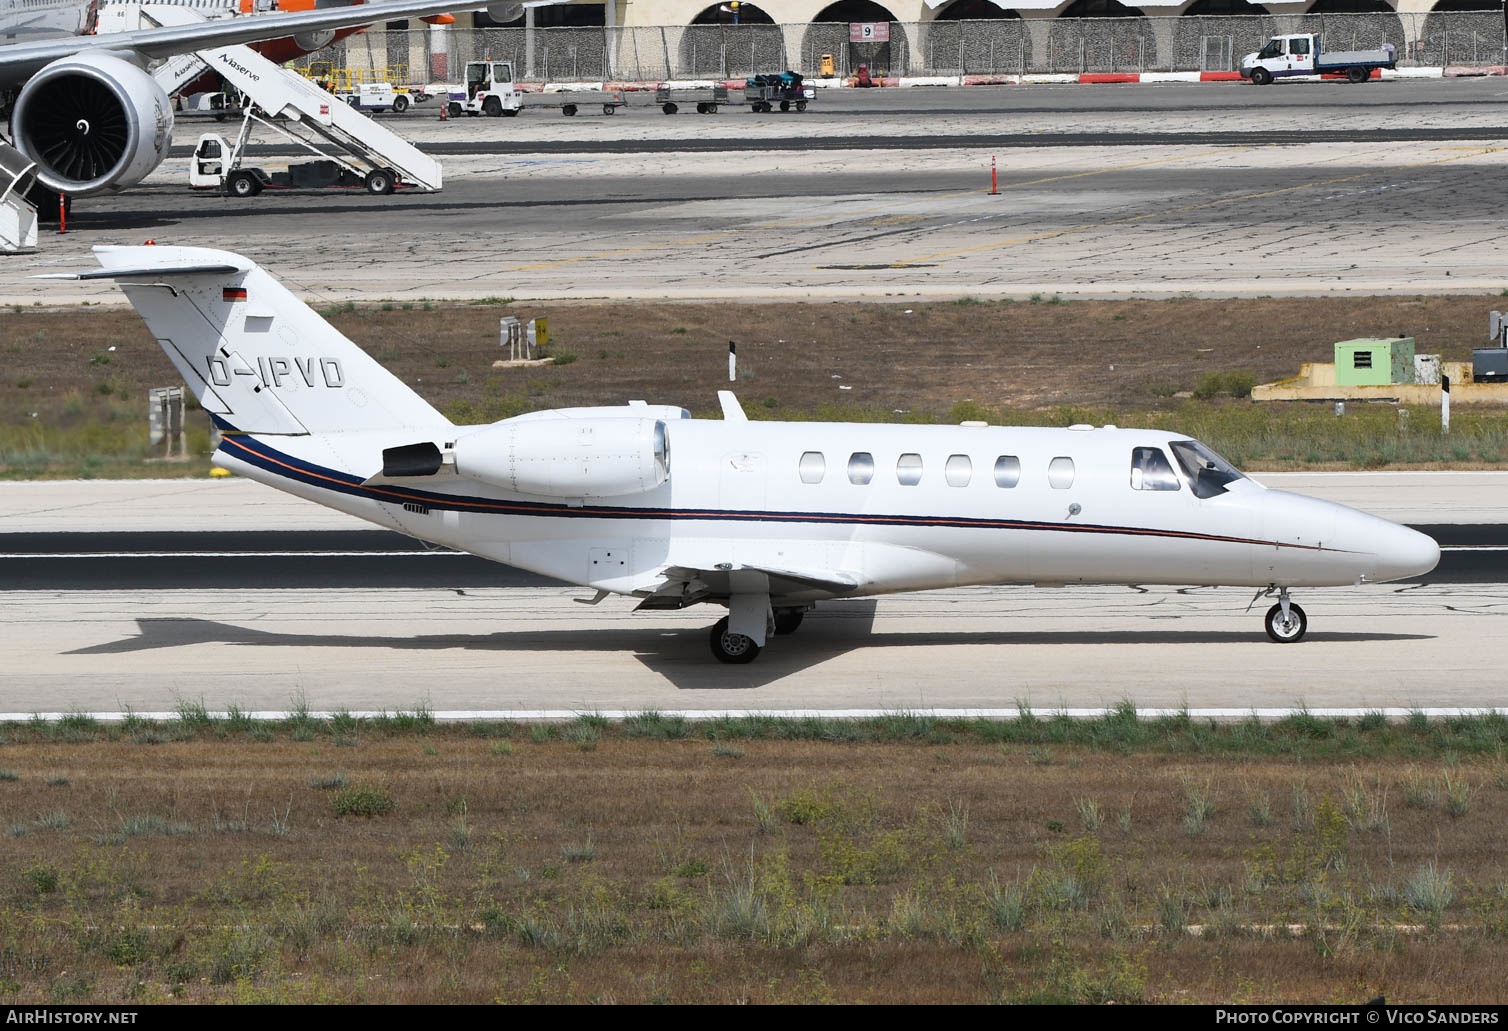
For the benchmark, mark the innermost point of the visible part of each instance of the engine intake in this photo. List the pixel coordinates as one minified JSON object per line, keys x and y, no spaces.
{"x":92,"y":122}
{"x":568,"y":458}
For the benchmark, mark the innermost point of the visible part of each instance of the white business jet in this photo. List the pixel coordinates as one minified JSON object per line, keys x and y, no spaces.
{"x":765,"y":518}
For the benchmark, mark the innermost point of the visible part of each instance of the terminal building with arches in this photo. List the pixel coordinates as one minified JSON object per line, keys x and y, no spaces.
{"x":673,"y":39}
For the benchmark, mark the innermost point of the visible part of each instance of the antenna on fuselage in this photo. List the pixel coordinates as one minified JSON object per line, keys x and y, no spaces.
{"x":732,"y":362}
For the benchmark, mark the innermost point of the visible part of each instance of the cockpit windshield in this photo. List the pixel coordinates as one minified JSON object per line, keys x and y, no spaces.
{"x":1208,"y":473}
{"x":1274,"y":48}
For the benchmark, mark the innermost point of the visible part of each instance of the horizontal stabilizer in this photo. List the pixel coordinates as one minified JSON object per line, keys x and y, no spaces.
{"x":156,"y":272}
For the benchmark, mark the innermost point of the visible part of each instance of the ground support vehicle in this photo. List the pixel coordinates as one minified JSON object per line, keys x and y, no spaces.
{"x":350,"y":150}
{"x":764,"y":92}
{"x":707,"y":99}
{"x":1304,"y":54}
{"x":571,"y":101}
{"x":217,"y":165}
{"x":376,"y":96}
{"x":488,"y":90}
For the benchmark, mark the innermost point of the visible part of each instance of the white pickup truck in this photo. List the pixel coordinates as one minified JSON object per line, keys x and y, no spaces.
{"x":1303,"y":54}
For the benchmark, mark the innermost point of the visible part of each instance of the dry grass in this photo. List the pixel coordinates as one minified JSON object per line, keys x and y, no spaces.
{"x":902,"y":861}
{"x":1016,"y":358}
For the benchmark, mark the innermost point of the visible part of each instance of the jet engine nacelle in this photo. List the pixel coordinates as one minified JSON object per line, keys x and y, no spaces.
{"x":92,"y":122}
{"x":567,"y":458}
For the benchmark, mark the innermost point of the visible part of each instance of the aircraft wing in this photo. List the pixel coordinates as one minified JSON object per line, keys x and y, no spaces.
{"x":684,"y":585}
{"x":20,"y":61}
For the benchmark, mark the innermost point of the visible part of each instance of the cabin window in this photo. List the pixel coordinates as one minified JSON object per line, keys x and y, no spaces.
{"x":1060,"y":473}
{"x":1273,"y":49}
{"x":860,"y":467}
{"x":1361,"y":359}
{"x":1150,"y":470}
{"x":1298,"y":46}
{"x":813,"y":466}
{"x":1007,"y":471}
{"x":908,"y":469}
{"x":958,"y":471}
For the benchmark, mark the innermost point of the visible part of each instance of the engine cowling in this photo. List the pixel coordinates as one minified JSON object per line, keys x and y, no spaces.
{"x":92,"y":122}
{"x":567,"y":458}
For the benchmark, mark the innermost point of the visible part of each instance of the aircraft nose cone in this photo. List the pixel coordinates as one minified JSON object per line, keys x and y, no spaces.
{"x":1402,"y":553}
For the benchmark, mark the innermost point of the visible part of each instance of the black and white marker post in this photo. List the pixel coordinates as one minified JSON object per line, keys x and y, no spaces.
{"x":1444,"y":404}
{"x":732,"y":362}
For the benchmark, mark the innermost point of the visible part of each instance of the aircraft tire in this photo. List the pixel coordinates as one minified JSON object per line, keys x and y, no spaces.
{"x":1260,"y":76}
{"x":1290,"y":632}
{"x":379,"y":182}
{"x":787,"y":620}
{"x":242,"y":184}
{"x":733,"y":649}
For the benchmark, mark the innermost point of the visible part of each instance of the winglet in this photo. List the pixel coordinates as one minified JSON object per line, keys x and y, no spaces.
{"x":732,"y":410}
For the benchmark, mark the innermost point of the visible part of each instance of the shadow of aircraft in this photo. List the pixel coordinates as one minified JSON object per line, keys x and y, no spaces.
{"x":681,"y":655}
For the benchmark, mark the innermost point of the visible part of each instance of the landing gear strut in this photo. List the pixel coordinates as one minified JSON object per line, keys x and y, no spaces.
{"x":1285,"y":621}
{"x":734,"y":649}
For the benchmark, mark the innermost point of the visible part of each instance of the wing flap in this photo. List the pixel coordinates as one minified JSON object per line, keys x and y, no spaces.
{"x":686,"y":585}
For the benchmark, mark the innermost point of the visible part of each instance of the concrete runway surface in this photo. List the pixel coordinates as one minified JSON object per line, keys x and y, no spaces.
{"x":530,"y":648}
{"x":534,"y":648}
{"x":1109,"y":191}
{"x":1151,"y":191}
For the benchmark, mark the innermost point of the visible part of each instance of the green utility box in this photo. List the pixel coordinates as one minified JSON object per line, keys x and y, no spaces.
{"x":1374,"y":362}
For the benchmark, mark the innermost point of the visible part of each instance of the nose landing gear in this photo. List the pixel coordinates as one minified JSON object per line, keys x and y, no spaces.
{"x":1285,"y":621}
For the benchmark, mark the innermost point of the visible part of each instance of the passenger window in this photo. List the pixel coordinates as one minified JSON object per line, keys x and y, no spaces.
{"x":860,"y":467}
{"x":1150,"y":470}
{"x":1007,"y":471}
{"x":958,"y":471}
{"x":813,"y":466}
{"x":1060,"y":473}
{"x":1299,"y":46}
{"x":909,"y":470}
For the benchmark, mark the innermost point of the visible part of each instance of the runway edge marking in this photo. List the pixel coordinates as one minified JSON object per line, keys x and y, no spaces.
{"x":528,"y":715}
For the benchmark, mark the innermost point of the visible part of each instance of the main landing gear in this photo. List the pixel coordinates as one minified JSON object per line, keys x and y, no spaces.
{"x":734,"y":649}
{"x":1285,"y":621}
{"x":738,"y":649}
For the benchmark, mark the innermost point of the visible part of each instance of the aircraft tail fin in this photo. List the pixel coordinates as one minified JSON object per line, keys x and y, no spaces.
{"x":254,"y":355}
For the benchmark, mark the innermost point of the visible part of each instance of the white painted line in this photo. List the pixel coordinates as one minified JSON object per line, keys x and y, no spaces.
{"x":531,"y":715}
{"x":1327,"y":474}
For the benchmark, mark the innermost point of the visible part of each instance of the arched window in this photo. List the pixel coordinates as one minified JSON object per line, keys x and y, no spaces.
{"x":1100,"y":9}
{"x":721,"y":14}
{"x":975,"y":10}
{"x":828,"y":34}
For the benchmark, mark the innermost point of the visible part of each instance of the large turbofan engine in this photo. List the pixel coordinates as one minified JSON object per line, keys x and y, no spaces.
{"x":92,"y":122}
{"x":567,"y":458}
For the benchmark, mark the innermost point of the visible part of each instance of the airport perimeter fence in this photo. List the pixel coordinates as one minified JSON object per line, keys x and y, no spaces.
{"x":942,"y":48}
